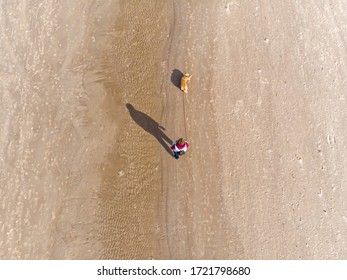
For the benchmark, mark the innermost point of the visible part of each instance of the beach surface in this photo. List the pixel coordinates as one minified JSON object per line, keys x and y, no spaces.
{"x":90,"y":103}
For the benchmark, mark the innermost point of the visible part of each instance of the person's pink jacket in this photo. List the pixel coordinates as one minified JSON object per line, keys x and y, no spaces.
{"x":178,"y":148}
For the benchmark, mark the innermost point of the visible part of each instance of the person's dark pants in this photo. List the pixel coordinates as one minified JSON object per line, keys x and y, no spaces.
{"x":176,"y":154}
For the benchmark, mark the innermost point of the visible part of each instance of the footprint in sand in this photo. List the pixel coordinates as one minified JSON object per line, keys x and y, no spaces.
{"x":228,"y":7}
{"x":331,"y":139}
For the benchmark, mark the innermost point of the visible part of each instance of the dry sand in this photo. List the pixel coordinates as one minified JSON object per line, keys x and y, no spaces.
{"x":85,"y":171}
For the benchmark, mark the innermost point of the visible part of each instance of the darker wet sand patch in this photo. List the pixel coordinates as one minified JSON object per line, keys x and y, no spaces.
{"x":129,"y":198}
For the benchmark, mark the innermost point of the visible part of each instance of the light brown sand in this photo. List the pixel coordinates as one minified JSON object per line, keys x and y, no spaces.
{"x":83,"y":176}
{"x":266,"y":174}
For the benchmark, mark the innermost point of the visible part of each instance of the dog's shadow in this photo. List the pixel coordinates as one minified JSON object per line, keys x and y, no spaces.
{"x":176,"y":77}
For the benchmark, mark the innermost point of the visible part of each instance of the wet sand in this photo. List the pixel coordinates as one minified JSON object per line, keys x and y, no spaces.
{"x":79,"y":178}
{"x":90,"y":102}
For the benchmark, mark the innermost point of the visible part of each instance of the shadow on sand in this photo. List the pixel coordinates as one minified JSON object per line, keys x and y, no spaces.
{"x":176,"y":78}
{"x":151,"y":126}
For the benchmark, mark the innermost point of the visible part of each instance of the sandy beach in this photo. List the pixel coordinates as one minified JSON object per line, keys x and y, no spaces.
{"x":90,"y":102}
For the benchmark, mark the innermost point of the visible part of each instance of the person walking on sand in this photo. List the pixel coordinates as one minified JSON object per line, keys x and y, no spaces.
{"x":179,"y":147}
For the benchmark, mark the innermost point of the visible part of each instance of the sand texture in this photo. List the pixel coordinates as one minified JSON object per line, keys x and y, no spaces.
{"x":90,"y":102}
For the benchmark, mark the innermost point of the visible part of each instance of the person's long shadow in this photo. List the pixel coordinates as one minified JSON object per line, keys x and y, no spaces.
{"x":151,"y":126}
{"x":176,"y":78}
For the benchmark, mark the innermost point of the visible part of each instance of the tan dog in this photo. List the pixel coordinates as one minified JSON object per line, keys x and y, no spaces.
{"x":184,"y":82}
